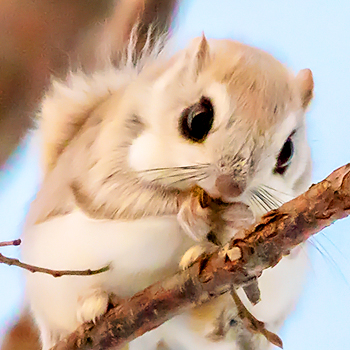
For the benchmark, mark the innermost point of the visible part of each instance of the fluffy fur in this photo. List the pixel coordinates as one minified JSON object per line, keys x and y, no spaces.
{"x":118,"y":172}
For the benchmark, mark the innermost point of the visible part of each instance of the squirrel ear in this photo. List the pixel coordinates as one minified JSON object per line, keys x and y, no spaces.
{"x":306,"y":85}
{"x":201,"y":55}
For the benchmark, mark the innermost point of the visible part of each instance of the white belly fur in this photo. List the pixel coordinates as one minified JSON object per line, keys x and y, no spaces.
{"x":141,"y":252}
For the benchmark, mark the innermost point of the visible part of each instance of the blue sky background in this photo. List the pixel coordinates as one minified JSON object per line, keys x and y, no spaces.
{"x":311,"y":34}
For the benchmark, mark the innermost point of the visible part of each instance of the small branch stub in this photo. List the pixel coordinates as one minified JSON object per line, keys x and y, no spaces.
{"x":15,"y":242}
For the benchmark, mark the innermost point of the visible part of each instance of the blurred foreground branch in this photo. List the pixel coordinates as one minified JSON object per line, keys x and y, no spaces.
{"x":263,"y":246}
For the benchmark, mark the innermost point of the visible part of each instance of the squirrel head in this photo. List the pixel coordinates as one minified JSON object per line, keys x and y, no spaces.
{"x":221,"y":115}
{"x":229,"y":118}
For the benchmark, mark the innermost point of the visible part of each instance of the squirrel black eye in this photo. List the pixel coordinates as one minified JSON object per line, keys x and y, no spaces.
{"x":197,"y":120}
{"x":285,"y":156}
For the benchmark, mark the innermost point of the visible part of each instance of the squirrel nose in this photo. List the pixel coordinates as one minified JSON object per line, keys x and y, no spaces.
{"x":228,"y":187}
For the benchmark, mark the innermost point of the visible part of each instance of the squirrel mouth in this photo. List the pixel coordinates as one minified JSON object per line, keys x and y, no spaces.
{"x":206,"y":199}
{"x":224,"y":189}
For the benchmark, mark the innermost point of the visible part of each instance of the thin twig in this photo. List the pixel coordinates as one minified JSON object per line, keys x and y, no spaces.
{"x":15,"y":242}
{"x":252,"y":323}
{"x":54,"y":273}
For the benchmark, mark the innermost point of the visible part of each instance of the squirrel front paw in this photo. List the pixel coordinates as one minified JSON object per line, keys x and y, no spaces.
{"x":92,"y":305}
{"x":237,"y":215}
{"x":194,"y":216}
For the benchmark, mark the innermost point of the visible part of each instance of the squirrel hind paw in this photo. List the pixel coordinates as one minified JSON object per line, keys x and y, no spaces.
{"x":192,"y":254}
{"x":91,"y":306}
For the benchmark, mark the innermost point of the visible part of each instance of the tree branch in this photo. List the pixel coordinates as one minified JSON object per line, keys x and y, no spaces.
{"x":54,"y":273}
{"x":263,"y":246}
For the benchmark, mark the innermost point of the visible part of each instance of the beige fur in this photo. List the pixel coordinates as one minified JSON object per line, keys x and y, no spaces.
{"x":118,"y":171}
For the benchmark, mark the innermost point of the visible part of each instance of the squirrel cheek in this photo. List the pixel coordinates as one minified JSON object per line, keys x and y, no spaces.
{"x":144,"y":153}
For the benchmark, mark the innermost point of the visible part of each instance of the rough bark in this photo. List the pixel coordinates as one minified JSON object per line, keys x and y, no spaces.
{"x":263,"y":246}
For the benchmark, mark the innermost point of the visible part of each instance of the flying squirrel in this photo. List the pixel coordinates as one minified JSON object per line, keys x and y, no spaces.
{"x":124,"y":152}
